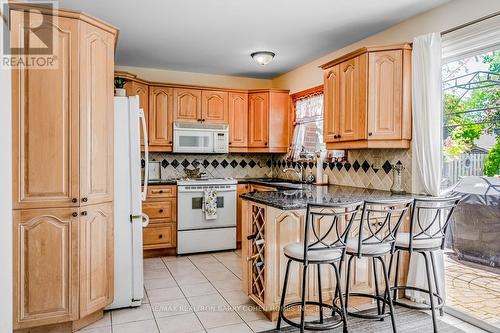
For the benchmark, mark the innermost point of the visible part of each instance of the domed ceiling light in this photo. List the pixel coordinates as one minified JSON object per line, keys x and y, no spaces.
{"x":263,"y":57}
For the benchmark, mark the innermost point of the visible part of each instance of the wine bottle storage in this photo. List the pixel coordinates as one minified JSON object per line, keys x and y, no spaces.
{"x":257,"y":257}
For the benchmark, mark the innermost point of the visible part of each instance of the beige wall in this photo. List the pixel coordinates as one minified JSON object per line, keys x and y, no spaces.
{"x":452,"y":14}
{"x":199,"y":79}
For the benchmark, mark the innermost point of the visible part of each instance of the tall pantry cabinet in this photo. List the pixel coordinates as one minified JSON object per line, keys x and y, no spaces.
{"x":63,"y":175}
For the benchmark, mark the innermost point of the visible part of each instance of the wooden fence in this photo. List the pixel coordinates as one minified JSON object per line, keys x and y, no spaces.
{"x":465,"y":165}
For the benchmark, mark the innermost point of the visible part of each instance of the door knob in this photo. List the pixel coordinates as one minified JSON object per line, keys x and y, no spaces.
{"x":160,"y":236}
{"x":74,"y":200}
{"x":370,"y":133}
{"x":75,"y":214}
{"x":161,"y":210}
{"x":85,"y":199}
{"x":84,"y":213}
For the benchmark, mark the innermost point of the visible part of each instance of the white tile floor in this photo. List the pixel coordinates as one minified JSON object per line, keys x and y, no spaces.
{"x":198,"y":293}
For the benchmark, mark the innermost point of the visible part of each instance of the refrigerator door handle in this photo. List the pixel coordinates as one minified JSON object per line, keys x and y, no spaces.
{"x":146,"y":155}
{"x":145,"y":220}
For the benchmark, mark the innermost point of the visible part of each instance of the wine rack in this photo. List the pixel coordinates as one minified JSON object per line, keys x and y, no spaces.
{"x":257,"y":254}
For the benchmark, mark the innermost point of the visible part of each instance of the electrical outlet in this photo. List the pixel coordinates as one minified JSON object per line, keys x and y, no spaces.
{"x":377,"y":162}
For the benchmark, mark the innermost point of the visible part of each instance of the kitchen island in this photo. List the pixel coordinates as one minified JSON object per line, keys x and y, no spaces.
{"x":272,"y":219}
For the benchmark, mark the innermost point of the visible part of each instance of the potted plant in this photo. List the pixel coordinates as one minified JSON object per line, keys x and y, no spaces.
{"x":119,"y":84}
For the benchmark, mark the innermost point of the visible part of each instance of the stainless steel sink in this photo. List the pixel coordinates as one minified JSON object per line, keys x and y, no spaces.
{"x":291,"y":185}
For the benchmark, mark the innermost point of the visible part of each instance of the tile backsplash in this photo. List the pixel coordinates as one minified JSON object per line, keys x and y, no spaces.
{"x":217,"y":166}
{"x":360,"y":169}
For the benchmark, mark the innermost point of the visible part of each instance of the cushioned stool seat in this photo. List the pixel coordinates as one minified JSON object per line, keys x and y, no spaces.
{"x":367,"y":249}
{"x":403,"y":241}
{"x":296,"y":251}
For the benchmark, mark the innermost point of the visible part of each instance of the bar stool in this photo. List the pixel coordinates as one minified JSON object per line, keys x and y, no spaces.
{"x":430,"y":218}
{"x":376,"y":238}
{"x":322,"y":247}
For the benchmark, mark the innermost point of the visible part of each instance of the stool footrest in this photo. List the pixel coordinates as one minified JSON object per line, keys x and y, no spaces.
{"x":369,"y":316}
{"x":314,"y":325}
{"x":419,"y":306}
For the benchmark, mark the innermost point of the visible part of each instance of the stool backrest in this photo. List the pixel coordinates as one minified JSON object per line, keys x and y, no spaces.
{"x":380,"y":222}
{"x":327,"y":226}
{"x":430,"y":218}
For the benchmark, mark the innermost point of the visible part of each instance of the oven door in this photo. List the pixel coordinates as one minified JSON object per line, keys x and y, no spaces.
{"x":191,"y":216}
{"x":193,"y":141}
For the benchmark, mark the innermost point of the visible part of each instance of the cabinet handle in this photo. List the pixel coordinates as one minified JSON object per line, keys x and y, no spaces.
{"x":370,"y":133}
{"x":335,"y":136}
{"x":203,"y":120}
{"x":74,"y":200}
{"x":84,"y":213}
{"x":230,"y":142}
{"x":85,"y":199}
{"x":160,"y":236}
{"x":160,"y":191}
{"x":265,"y":143}
{"x":170,"y":142}
{"x":161,"y":210}
{"x":75,"y":214}
{"x":339,"y":136}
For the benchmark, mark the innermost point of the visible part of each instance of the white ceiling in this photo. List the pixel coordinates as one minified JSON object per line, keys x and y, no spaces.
{"x":217,"y":36}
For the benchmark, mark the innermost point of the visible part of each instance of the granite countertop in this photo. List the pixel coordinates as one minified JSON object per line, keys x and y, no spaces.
{"x":298,"y":199}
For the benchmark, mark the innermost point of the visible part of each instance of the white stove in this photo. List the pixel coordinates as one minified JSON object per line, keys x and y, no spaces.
{"x":197,"y":233}
{"x":207,"y":181}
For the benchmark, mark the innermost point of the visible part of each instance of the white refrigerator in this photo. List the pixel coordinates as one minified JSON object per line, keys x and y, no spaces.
{"x":128,"y":196}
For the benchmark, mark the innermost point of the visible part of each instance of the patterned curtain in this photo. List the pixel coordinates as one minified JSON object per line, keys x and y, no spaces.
{"x":308,"y":130}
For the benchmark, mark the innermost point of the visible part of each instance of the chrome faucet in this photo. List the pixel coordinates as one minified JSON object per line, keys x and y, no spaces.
{"x":299,"y":173}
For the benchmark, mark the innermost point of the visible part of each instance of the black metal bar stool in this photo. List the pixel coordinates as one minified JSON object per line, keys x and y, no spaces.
{"x":376,"y":238}
{"x":326,"y":247}
{"x":430,"y":218}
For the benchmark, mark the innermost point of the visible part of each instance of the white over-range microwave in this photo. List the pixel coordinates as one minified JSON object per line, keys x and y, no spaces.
{"x":201,"y":138}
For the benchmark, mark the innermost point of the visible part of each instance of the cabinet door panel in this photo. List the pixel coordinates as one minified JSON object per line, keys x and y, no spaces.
{"x":258,"y":122}
{"x":238,"y":120}
{"x":352,"y":113}
{"x":279,"y":123}
{"x":45,"y":122}
{"x":96,"y":115}
{"x":160,"y":116}
{"x":96,"y":258}
{"x":139,"y":89}
{"x":45,"y":266}
{"x":187,"y":105}
{"x":385,"y":95}
{"x":214,"y":106}
{"x":331,"y":104}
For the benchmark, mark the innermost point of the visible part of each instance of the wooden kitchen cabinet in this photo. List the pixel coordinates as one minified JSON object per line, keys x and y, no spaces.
{"x":96,"y":258}
{"x":96,"y":114}
{"x":161,"y":207}
{"x":268,"y":121}
{"x":258,"y":120}
{"x":241,"y":189}
{"x":63,"y":164}
{"x":161,"y":104}
{"x":45,"y":281}
{"x":45,"y":126}
{"x":331,"y":103}
{"x":135,"y":88}
{"x":238,"y":121}
{"x":367,"y":99}
{"x":214,"y":106}
{"x":187,"y":105}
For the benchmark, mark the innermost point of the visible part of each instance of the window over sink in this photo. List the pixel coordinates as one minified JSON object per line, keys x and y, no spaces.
{"x":308,"y":123}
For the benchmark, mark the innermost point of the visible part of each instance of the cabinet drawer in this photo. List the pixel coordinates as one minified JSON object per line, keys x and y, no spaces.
{"x":165,"y":209}
{"x":159,"y":236}
{"x":168,"y":191}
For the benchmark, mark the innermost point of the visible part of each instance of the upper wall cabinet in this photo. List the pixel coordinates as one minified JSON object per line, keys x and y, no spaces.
{"x":214,"y":106}
{"x":187,"y":105}
{"x":135,"y":88}
{"x":238,"y":120}
{"x":161,"y":105}
{"x":368,"y":99}
{"x":268,"y":121}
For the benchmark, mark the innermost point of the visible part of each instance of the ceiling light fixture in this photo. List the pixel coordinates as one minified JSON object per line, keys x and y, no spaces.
{"x":263,"y":57}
